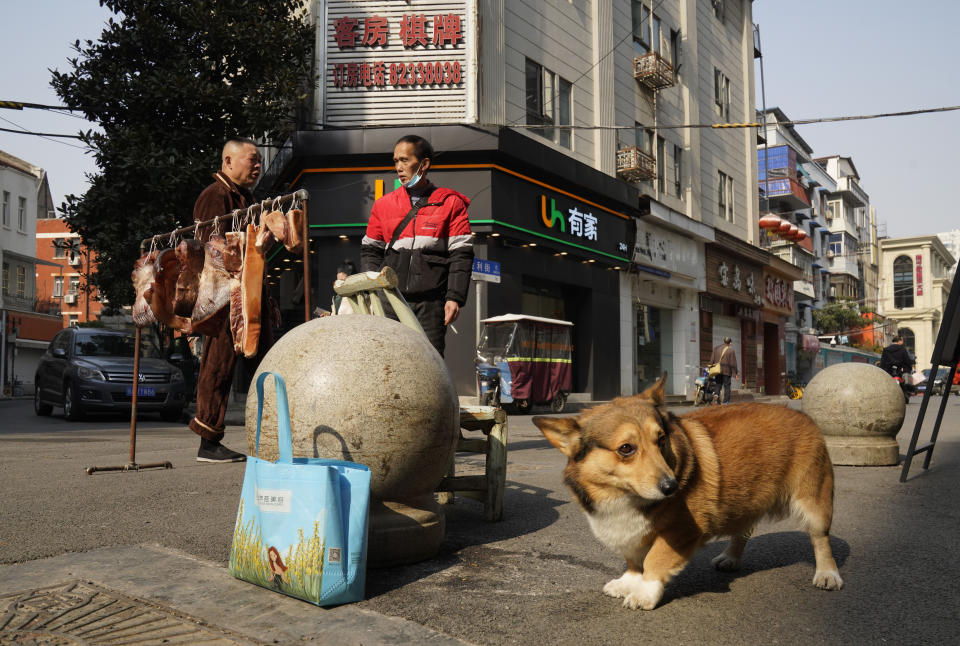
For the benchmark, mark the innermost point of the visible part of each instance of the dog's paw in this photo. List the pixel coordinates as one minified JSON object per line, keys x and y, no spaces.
{"x":726,"y":563}
{"x":635,"y":592}
{"x":827,"y":580}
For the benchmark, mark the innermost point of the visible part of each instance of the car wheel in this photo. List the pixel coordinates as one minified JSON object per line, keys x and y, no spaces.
{"x":39,"y":407}
{"x":558,"y":402}
{"x":71,"y":403}
{"x":174,"y":415}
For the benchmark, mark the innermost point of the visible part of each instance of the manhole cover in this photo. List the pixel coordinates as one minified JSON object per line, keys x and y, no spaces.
{"x":78,"y":612}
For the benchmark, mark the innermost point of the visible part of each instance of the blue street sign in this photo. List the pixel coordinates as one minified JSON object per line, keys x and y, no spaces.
{"x":488,"y":270}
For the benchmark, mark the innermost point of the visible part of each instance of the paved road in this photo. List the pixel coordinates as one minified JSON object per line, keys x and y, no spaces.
{"x":164,"y":535}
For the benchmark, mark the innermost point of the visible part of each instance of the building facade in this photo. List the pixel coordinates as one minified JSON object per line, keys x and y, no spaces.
{"x":25,"y":328}
{"x":558,"y":121}
{"x":62,"y":286}
{"x":915,"y":282}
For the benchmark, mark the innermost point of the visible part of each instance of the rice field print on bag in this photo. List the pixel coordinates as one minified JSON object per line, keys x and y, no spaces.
{"x":296,"y":570}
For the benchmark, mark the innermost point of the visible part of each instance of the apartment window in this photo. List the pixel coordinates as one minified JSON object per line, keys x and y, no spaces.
{"x":549,"y":100}
{"x":675,"y":45}
{"x":719,"y":9}
{"x":59,"y":248}
{"x":6,"y":278}
{"x":909,"y":340}
{"x":656,"y":37}
{"x":724,"y":196}
{"x":74,"y":320}
{"x":721,"y":94}
{"x":74,"y":284}
{"x":678,"y":171}
{"x":661,"y":165}
{"x":57,"y":286}
{"x":833,"y":209}
{"x":22,"y":214}
{"x":902,"y":282}
{"x":21,"y":281}
{"x":641,"y":27}
{"x":6,"y":209}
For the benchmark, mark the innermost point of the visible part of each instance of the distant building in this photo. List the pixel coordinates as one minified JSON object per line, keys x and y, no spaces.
{"x":951,"y":240}
{"x":25,"y":330}
{"x":62,"y":285}
{"x":915,"y":282}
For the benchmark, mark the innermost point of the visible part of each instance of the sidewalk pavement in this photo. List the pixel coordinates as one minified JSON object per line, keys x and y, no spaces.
{"x":151,"y":548}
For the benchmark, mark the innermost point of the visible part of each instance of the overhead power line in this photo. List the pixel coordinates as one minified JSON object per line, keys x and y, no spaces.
{"x":39,"y":134}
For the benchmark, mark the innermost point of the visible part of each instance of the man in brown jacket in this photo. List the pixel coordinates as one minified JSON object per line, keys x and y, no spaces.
{"x":240,"y":169}
{"x":727,"y":357}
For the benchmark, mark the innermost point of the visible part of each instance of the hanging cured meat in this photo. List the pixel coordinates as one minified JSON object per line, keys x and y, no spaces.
{"x":276,"y":222}
{"x":144,"y":273}
{"x":215,"y":285}
{"x":245,"y":299}
{"x":294,"y":241}
{"x":264,"y":238}
{"x":190,"y":254}
{"x":164,"y":290}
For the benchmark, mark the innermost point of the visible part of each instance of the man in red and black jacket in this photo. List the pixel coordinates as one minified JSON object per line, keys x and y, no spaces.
{"x":432,"y":252}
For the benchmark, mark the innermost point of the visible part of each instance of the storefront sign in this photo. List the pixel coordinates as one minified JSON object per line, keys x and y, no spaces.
{"x":919,"y":265}
{"x":378,"y":52}
{"x":733,"y":278}
{"x":778,"y":293}
{"x":660,"y":248}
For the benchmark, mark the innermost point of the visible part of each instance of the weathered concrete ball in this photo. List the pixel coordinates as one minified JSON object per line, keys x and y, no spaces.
{"x":860,"y":409}
{"x":364,"y":389}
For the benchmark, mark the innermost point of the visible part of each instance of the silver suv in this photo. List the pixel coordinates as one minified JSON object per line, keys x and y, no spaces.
{"x":91,"y":370}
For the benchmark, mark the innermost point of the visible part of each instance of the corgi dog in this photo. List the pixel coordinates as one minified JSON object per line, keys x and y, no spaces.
{"x":656,"y":487}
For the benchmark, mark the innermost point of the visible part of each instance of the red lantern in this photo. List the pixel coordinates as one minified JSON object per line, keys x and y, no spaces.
{"x":801,"y":235}
{"x":792,"y":233}
{"x":784,"y":226}
{"x":770,"y":221}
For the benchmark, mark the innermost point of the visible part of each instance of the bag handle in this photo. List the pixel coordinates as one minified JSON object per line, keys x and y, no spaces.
{"x":284,"y":439}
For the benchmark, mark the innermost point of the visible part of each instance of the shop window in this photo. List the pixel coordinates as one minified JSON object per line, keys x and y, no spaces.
{"x":902,"y":282}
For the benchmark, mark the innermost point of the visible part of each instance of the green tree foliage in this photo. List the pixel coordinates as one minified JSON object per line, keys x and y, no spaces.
{"x":168,"y":82}
{"x":839,"y":317}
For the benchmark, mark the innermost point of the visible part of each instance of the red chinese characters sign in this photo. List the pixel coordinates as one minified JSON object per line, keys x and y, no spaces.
{"x":919,"y":266}
{"x":413,"y":31}
{"x":778,"y":293}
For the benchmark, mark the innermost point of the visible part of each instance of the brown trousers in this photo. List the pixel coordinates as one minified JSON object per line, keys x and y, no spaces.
{"x":217,"y":366}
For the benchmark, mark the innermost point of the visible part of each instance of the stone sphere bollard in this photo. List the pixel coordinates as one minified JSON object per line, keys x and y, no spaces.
{"x":370,"y":390}
{"x":859,"y":408}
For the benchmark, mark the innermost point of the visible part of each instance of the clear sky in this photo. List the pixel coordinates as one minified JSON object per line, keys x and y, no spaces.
{"x":828,"y":58}
{"x":821,"y":58}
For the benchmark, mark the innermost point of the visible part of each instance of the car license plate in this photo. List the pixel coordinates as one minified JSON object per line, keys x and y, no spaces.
{"x":143,"y":391}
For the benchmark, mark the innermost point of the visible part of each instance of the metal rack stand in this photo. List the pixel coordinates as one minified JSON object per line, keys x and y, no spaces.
{"x":242,"y":215}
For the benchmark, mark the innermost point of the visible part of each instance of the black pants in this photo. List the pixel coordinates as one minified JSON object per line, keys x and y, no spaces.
{"x":430,"y":314}
{"x":726,"y":389}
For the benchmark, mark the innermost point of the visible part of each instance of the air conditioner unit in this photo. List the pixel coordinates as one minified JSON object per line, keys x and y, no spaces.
{"x":74,"y":260}
{"x":830,"y":255}
{"x":70,"y":299}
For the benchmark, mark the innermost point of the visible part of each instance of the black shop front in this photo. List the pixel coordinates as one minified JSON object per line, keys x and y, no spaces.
{"x":561,"y":231}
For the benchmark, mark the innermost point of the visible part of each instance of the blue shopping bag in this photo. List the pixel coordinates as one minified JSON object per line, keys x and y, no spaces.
{"x":302,"y":524}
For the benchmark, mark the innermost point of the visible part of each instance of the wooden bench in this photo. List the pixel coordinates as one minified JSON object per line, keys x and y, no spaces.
{"x":487,"y":488}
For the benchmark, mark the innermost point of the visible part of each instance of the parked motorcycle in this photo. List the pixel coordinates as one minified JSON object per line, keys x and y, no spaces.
{"x":902,"y":380}
{"x":707,"y":388}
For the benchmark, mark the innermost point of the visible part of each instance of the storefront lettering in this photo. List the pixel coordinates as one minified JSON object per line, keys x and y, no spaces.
{"x":779,"y":293}
{"x":582,"y":224}
{"x":415,"y":30}
{"x":738,"y":280}
{"x":919,"y":264}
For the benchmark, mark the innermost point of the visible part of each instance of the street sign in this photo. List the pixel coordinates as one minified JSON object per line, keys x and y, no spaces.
{"x":486,"y":270}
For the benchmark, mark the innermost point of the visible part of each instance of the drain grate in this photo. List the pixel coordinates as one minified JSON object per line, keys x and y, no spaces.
{"x":78,"y":612}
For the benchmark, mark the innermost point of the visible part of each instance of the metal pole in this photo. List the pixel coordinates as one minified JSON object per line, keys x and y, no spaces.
{"x":133,"y":400}
{"x":305,"y":236}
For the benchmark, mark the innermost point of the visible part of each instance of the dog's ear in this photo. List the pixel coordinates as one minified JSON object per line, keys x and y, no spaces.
{"x":563,"y":432}
{"x":655,"y":392}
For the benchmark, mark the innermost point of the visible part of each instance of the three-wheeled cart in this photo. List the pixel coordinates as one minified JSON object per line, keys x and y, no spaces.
{"x":524,"y":360}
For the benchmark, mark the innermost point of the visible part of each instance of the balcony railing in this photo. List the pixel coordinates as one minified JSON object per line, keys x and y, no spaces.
{"x":653,"y":71}
{"x":634,"y":165}
{"x":786,"y":189}
{"x":850,"y":185}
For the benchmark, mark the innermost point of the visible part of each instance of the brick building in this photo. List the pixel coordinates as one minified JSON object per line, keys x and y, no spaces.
{"x":62,"y":284}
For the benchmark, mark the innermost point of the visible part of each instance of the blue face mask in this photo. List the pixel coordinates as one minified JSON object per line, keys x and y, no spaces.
{"x":416,"y":178}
